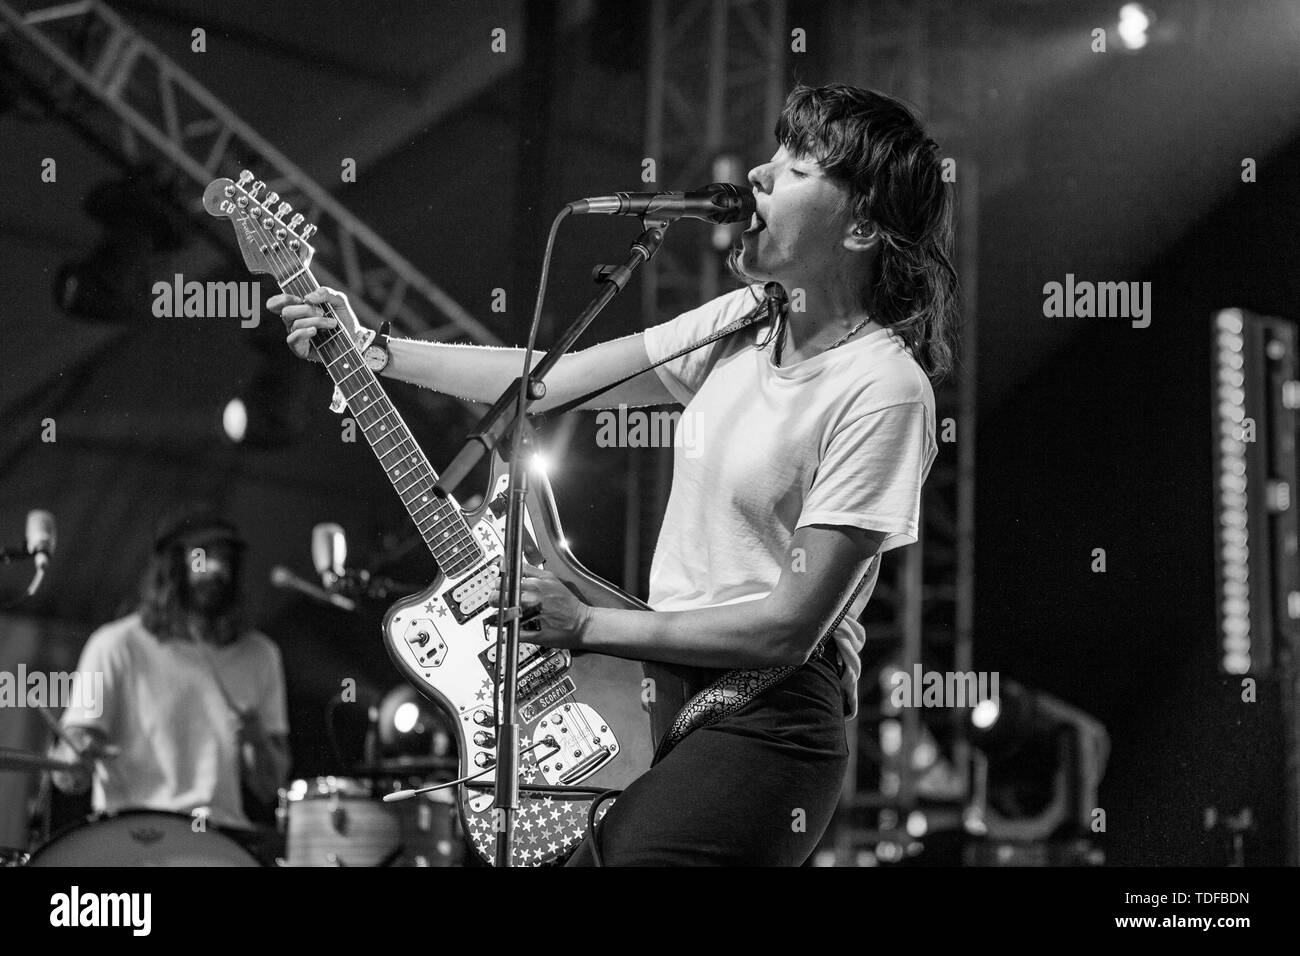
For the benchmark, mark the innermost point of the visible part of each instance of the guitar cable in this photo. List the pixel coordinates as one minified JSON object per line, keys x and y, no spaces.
{"x":593,"y":827}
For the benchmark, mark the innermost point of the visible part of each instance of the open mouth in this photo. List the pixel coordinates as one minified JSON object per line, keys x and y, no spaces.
{"x":756,"y":224}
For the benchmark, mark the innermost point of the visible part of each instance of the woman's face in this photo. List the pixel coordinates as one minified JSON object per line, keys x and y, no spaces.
{"x":799,"y":231}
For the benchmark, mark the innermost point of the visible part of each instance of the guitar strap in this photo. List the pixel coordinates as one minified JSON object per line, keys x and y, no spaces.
{"x":736,"y":688}
{"x":767,"y":308}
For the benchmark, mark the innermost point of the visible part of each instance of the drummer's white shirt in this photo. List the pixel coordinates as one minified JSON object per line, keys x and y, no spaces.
{"x":845,"y":437}
{"x":164,"y":708}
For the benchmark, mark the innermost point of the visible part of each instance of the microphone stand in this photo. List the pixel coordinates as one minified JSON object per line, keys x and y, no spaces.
{"x":506,"y":414}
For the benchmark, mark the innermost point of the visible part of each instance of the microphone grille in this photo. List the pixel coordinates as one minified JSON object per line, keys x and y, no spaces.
{"x":40,"y":531}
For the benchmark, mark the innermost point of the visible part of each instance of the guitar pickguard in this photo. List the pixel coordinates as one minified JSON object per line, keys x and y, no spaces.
{"x":569,"y":727}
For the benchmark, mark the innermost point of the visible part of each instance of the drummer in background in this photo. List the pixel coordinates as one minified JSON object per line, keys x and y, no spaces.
{"x":194,"y":701}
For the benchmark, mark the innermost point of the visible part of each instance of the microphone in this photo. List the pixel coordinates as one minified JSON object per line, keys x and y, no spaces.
{"x":282,"y":577}
{"x":40,"y":538}
{"x":716,"y":203}
{"x":329,"y":551}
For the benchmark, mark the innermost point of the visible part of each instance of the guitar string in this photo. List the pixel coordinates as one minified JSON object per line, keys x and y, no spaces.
{"x":443,"y":511}
{"x":305,"y":277}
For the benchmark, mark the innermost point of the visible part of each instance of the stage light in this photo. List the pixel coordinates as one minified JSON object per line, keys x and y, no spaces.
{"x":269,"y":413}
{"x":410,"y":728}
{"x":234,"y":420}
{"x":540,"y":464}
{"x":985,"y":713}
{"x":917,"y":825}
{"x":1234,"y":517}
{"x":141,"y":229}
{"x":405,"y":717}
{"x":1134,"y":22}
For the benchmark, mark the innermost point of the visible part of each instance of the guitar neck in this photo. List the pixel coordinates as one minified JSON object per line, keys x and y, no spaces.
{"x":439,"y":521}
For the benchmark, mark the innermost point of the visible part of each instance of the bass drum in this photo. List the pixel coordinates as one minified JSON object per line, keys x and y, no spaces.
{"x":141,"y":838}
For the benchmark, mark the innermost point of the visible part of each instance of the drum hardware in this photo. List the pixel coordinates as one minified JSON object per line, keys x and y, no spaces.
{"x":343,"y":821}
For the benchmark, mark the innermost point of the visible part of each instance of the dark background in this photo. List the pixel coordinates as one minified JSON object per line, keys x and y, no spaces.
{"x":1115,"y":167}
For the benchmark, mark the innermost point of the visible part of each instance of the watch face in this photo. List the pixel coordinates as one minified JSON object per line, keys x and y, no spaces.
{"x":375,"y":357}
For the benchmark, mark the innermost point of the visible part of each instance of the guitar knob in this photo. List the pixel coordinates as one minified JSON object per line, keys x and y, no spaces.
{"x":308,"y":231}
{"x":283,"y":210}
{"x":296,"y":221}
{"x":271,"y":199}
{"x":484,"y":739}
{"x":482,"y":759}
{"x":482,"y":718}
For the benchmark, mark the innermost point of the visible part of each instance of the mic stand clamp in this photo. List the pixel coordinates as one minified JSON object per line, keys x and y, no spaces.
{"x":505,"y":416}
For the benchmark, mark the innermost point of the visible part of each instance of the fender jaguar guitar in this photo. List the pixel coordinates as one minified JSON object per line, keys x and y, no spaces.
{"x":584,"y":726}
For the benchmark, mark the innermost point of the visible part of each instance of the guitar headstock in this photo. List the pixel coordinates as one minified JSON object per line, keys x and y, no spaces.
{"x":270,"y":245}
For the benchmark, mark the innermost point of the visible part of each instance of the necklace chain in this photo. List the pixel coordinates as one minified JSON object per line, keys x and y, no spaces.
{"x":850,"y":333}
{"x":780,"y":337}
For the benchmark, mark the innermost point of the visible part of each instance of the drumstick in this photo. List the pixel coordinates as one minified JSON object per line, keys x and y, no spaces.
{"x":109,"y":750}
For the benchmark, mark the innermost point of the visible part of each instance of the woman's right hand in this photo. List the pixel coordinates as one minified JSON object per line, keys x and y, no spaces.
{"x":304,"y":315}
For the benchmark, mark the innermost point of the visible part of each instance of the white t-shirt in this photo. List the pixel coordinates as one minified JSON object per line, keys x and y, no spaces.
{"x":845,"y":437}
{"x":163,"y":706}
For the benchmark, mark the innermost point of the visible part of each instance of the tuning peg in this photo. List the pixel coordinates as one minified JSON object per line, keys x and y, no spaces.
{"x":283,"y":210}
{"x":270,"y":199}
{"x":296,"y":221}
{"x":308,"y":231}
{"x":256,"y":188}
{"x":245,"y":178}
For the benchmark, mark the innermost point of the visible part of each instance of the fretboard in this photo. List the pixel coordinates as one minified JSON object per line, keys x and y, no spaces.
{"x":439,"y":521}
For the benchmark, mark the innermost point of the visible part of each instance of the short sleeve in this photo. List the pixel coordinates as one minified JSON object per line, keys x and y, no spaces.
{"x":871,"y":474}
{"x":683,"y":376}
{"x":272,"y":708}
{"x":100,"y":674}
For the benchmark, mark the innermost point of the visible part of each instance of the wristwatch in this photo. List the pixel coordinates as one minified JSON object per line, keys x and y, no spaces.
{"x":375,"y":353}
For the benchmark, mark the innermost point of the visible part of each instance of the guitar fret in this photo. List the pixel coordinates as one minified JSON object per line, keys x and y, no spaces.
{"x":440,"y":524}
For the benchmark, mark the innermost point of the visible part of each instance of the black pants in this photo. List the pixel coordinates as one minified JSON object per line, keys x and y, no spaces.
{"x":758,"y":788}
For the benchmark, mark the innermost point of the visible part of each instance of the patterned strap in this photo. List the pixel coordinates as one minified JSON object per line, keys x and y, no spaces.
{"x":736,"y":688}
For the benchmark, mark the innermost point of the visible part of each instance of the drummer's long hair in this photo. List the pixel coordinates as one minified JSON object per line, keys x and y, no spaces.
{"x":163,"y":606}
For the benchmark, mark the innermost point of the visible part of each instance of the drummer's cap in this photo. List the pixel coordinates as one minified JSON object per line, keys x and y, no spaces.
{"x":196,"y":526}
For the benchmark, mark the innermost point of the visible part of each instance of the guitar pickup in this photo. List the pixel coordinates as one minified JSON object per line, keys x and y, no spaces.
{"x":474,"y":592}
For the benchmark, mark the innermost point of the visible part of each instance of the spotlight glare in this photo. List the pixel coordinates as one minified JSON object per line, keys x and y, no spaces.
{"x":234,"y":420}
{"x":405,"y":717}
{"x":985,"y":714}
{"x":1134,"y":21}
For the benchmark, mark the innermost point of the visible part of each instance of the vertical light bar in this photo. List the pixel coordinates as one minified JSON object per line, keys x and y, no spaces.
{"x":1232,"y":513}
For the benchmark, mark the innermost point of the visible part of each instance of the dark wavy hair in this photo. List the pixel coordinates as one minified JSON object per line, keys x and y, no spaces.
{"x":163,"y":609}
{"x":876,"y":146}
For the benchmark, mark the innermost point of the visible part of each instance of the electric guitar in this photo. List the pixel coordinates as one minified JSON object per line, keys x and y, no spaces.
{"x":588,"y":722}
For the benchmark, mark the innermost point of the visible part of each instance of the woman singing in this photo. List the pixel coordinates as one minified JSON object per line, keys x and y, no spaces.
{"x":811,"y":442}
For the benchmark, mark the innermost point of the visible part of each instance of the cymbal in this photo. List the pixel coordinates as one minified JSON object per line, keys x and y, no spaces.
{"x":27,"y":762}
